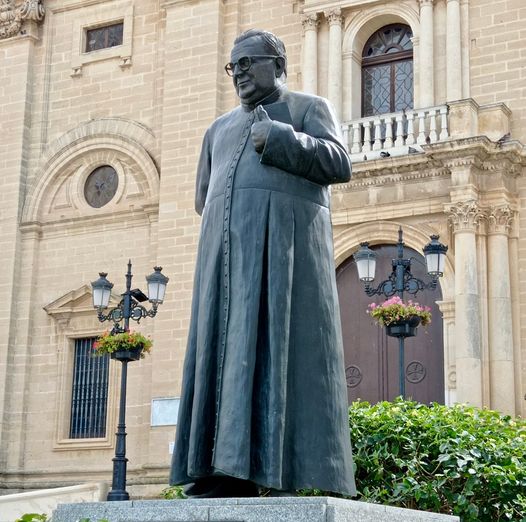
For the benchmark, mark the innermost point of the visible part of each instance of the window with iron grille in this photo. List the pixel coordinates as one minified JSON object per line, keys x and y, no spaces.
{"x":387,"y":71}
{"x":89,"y":397}
{"x":104,"y":37}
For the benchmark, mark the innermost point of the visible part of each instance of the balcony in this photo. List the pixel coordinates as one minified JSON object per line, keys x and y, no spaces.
{"x":406,"y":132}
{"x":395,"y":134}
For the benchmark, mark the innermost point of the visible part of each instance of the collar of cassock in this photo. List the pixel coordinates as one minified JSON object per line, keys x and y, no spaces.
{"x":271,"y":98}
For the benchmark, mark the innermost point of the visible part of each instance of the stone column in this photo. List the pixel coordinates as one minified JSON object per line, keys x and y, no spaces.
{"x":426,"y":61}
{"x":335,"y":19}
{"x":465,"y":42}
{"x":500,"y":327}
{"x":310,"y":53}
{"x":464,"y":218}
{"x":453,"y":52}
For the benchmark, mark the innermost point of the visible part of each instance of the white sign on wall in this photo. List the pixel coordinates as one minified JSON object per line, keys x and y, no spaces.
{"x":165,"y":411}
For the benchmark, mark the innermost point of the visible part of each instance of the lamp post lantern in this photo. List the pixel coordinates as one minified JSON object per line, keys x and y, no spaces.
{"x":399,"y":281}
{"x":129,"y":307}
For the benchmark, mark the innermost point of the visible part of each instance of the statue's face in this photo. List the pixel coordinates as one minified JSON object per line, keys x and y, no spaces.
{"x":262,"y":78}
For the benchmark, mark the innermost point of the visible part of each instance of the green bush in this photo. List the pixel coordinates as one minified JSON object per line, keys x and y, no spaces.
{"x":458,"y":460}
{"x":172,"y":493}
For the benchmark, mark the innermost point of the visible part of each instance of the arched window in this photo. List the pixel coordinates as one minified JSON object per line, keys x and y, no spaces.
{"x":387,"y":71}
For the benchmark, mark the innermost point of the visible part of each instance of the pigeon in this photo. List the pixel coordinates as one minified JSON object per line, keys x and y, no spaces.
{"x":503,"y":139}
{"x":365,"y":157}
{"x":412,"y":150}
{"x":384,"y":154}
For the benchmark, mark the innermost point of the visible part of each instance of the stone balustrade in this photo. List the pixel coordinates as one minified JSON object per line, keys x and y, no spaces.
{"x":367,"y":138}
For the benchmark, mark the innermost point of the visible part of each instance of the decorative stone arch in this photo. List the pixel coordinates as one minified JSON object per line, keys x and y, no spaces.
{"x":357,"y":31}
{"x":57,"y":191}
{"x":386,"y":232}
{"x":380,"y":232}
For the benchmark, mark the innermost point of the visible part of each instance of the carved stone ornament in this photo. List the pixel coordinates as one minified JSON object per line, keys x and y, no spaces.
{"x":465,"y":215}
{"x":33,"y":10}
{"x":10,"y":19}
{"x":12,"y":16}
{"x":334,"y":16}
{"x":499,"y":219}
{"x":310,"y":22}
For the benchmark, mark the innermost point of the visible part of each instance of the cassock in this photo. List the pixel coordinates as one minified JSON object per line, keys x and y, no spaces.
{"x":264,"y":393}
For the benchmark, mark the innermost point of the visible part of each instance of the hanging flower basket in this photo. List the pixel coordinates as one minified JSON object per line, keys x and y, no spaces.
{"x":400,"y":319}
{"x":403,"y":328}
{"x":127,"y":346}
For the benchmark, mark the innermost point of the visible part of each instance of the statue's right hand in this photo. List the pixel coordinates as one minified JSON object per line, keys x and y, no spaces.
{"x":260,"y":129}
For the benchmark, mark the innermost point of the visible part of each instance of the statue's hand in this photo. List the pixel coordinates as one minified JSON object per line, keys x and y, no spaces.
{"x":260,"y":129}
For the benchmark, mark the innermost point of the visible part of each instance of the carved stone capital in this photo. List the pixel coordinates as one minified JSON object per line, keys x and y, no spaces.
{"x":424,"y":3}
{"x":310,"y":22}
{"x":499,"y":219}
{"x":12,"y":17}
{"x":334,"y":16}
{"x":465,"y":215}
{"x":32,"y":10}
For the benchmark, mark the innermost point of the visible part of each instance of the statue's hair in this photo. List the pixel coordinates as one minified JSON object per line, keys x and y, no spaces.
{"x":273,"y":44}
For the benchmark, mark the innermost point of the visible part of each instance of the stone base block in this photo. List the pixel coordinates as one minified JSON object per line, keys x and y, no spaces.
{"x":281,"y":509}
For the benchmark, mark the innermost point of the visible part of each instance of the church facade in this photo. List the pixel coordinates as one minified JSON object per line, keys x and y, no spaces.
{"x":103,"y":106}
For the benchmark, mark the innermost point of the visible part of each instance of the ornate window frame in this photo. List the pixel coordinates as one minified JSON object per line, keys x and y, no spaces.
{"x":75,"y":319}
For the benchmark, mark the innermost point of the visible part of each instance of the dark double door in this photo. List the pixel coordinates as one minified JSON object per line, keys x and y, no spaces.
{"x":371,"y":357}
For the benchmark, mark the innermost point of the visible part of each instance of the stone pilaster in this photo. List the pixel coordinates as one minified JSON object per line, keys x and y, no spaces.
{"x":17,"y":56}
{"x":453,"y":52}
{"x":310,"y":53}
{"x":500,"y":327}
{"x":335,"y":20}
{"x":447,"y":308}
{"x":426,"y":59}
{"x":464,"y":218}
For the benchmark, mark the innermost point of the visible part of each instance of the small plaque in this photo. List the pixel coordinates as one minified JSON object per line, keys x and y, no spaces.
{"x":165,"y":411}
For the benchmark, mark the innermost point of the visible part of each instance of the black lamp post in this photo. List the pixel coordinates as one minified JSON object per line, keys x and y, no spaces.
{"x":399,"y":281}
{"x":128,"y":308}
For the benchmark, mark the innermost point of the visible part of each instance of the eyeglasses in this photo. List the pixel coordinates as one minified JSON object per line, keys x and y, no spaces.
{"x":245,"y":63}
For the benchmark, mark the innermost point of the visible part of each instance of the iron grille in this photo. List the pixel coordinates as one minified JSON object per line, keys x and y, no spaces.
{"x":89,"y":398}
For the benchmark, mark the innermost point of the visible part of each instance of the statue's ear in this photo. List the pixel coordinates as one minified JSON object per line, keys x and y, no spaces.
{"x":280,"y":66}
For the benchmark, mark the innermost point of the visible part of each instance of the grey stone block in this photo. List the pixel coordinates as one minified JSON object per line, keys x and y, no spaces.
{"x":281,"y":509}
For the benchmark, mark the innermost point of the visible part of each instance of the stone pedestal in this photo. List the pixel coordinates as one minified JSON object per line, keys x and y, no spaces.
{"x":289,"y":509}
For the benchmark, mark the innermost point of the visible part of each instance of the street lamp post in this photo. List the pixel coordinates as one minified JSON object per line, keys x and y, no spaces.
{"x":128,"y":308}
{"x":399,"y":281}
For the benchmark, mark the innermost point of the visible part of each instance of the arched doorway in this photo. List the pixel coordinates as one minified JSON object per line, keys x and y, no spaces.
{"x":387,"y":71}
{"x":371,"y":357}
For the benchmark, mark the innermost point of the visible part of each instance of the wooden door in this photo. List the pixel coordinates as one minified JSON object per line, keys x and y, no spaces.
{"x":371,"y":357}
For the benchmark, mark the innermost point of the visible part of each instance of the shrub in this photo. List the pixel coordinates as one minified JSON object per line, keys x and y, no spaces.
{"x":172,"y":493}
{"x":457,"y":460}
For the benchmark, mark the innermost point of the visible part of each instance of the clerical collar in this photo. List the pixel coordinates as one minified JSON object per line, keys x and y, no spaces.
{"x":270,"y":98}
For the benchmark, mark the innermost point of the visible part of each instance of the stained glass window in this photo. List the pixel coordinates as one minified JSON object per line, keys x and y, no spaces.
{"x":387,"y":71}
{"x":103,"y":37}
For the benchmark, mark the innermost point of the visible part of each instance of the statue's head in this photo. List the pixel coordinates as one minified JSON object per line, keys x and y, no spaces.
{"x":258,"y":65}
